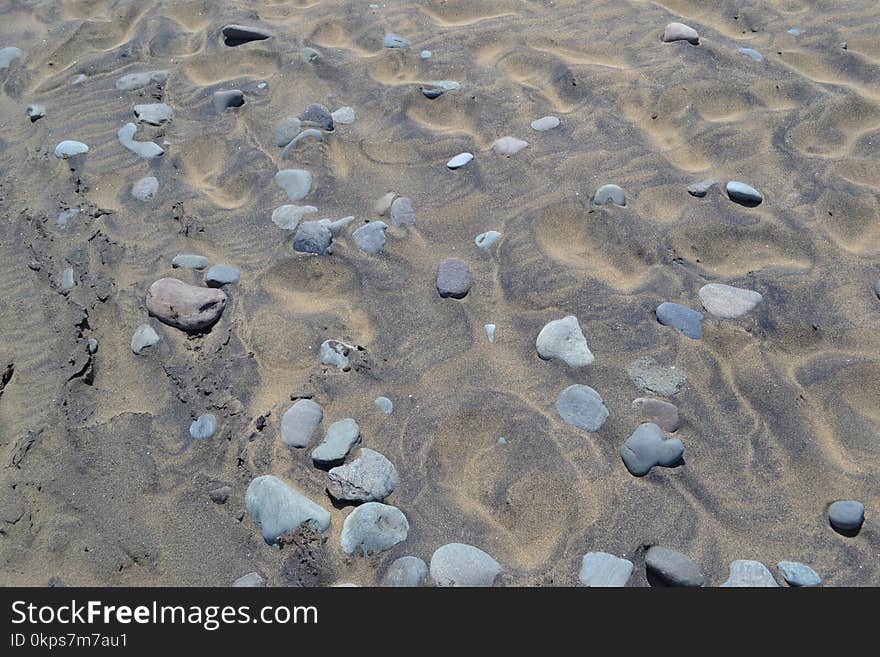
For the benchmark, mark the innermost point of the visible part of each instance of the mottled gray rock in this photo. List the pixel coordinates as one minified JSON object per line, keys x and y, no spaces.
{"x":204,"y":427}
{"x":686,"y":320}
{"x":487,"y":239}
{"x":289,"y":216}
{"x":340,"y":438}
{"x":647,"y":447}
{"x":406,"y":572}
{"x":312,"y":237}
{"x":384,"y":404}
{"x":190,"y":261}
{"x":402,"y":213}
{"x":69,"y":148}
{"x":751,"y":53}
{"x":237,"y":35}
{"x":146,"y":149}
{"x":145,"y":189}
{"x":276,"y":508}
{"x":457,"y":564}
{"x":319,"y":116}
{"x":671,"y":568}
{"x":144,"y":336}
{"x":798,"y":574}
{"x":545,"y":123}
{"x":370,"y":237}
{"x":582,"y":407}
{"x":223,"y":99}
{"x":286,"y":131}
{"x":344,"y":115}
{"x":369,"y":478}
{"x":700,"y":189}
{"x":744,"y":194}
{"x":459,"y":161}
{"x":299,"y":422}
{"x":296,"y":183}
{"x":134,"y":81}
{"x":680,"y":32}
{"x":453,"y":278}
{"x":153,"y":113}
{"x":220,"y":495}
{"x":745,"y":573}
{"x":66,"y":215}
{"x":507,"y":146}
{"x":396,"y":41}
{"x":67,"y":279}
{"x":373,"y":527}
{"x":846,"y":516}
{"x":9,"y":55}
{"x":613,"y":193}
{"x":334,"y":352}
{"x":563,"y":339}
{"x":728,"y":302}
{"x":184,"y":306}
{"x":251,"y":580}
{"x":600,"y":569}
{"x":490,"y":332}
{"x":661,"y":413}
{"x":220,"y":275}
{"x":648,"y":375}
{"x":35,"y":112}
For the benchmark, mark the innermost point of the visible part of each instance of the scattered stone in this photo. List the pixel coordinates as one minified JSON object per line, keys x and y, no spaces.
{"x":66,"y":215}
{"x":9,"y":55}
{"x":600,"y":569}
{"x":144,"y":336}
{"x":396,"y":41}
{"x":251,"y":580}
{"x":36,"y":112}
{"x":686,"y":320}
{"x":383,"y":204}
{"x":369,"y":478}
{"x":237,"y":35}
{"x":650,"y":376}
{"x":613,"y":193}
{"x":319,"y":116}
{"x":223,"y":99}
{"x":184,"y":306}
{"x":490,"y":332}
{"x":344,"y":116}
{"x":384,"y":404}
{"x":312,"y":237}
{"x":220,"y":495}
{"x":728,"y":302}
{"x":309,"y":55}
{"x":220,"y":275}
{"x":647,"y":447}
{"x":297,"y":183}
{"x":457,"y":564}
{"x":204,"y":427}
{"x":373,"y":527}
{"x":581,"y":406}
{"x":276,"y":508}
{"x":289,"y":216}
{"x":487,"y":239}
{"x":145,"y":189}
{"x":189,"y":261}
{"x":134,"y":81}
{"x":745,"y":573}
{"x":432,"y":90}
{"x":67,"y":279}
{"x":794,"y":32}
{"x":545,"y":123}
{"x":680,"y":32}
{"x":145,"y":149}
{"x":153,"y":113}
{"x":286,"y":131}
{"x":336,"y":227}
{"x":425,"y":54}
{"x":752,"y":54}
{"x":68,"y":148}
{"x":671,"y":568}
{"x":798,"y":574}
{"x":406,"y":572}
{"x":334,"y":352}
{"x":847,"y":516}
{"x":563,"y":339}
{"x":299,"y":422}
{"x":700,"y":189}
{"x":340,"y":438}
{"x":661,"y":413}
{"x":508,"y":146}
{"x":744,"y":194}
{"x":459,"y":161}
{"x":370,"y":237}
{"x":402,"y":213}
{"x":453,"y":278}
{"x":92,"y":346}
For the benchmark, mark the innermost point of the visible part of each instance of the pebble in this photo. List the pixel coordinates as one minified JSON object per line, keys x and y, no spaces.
{"x":220,"y":275}
{"x":672,"y":568}
{"x":144,"y":336}
{"x":728,"y":302}
{"x":396,"y":41}
{"x":613,"y":193}
{"x":847,"y":516}
{"x":582,"y":407}
{"x":432,"y":90}
{"x":700,"y":189}
{"x":36,"y":112}
{"x":297,"y":183}
{"x":661,"y":413}
{"x":276,"y":508}
{"x":189,"y":261}
{"x":145,"y":149}
{"x":650,"y":376}
{"x":457,"y":564}
{"x":680,"y":32}
{"x":370,"y":237}
{"x":600,"y":569}
{"x":68,"y":148}
{"x":487,"y":239}
{"x":286,"y":131}
{"x":67,"y":279}
{"x":752,"y":54}
{"x":647,"y":447}
{"x":545,"y":123}
{"x":66,"y":215}
{"x":309,"y":55}
{"x":145,"y":189}
{"x":251,"y":580}
{"x":563,"y":339}
{"x":369,"y":478}
{"x":340,"y":438}
{"x":153,"y":113}
{"x":744,"y":194}
{"x":745,"y":573}
{"x":9,"y":55}
{"x":92,"y":346}
{"x":344,"y":115}
{"x":794,"y":32}
{"x":453,"y":278}
{"x":312,"y":237}
{"x":223,"y":99}
{"x":289,"y":216}
{"x":184,"y":306}
{"x":299,"y":422}
{"x":373,"y":527}
{"x":237,"y":35}
{"x":798,"y":574}
{"x":204,"y":427}
{"x":406,"y":572}
{"x":134,"y":81}
{"x":490,"y":332}
{"x":459,"y":161}
{"x":319,"y":116}
{"x":335,"y":353}
{"x":384,"y":404}
{"x":686,"y":320}
{"x":402,"y":213}
{"x":220,"y":495}
{"x":425,"y":54}
{"x":508,"y":146}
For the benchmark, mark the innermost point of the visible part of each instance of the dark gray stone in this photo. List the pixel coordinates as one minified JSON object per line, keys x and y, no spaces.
{"x":370,"y":237}
{"x":846,"y":516}
{"x":220,"y":275}
{"x":744,"y":194}
{"x":671,"y":568}
{"x":798,"y":574}
{"x":319,"y":116}
{"x":223,"y":99}
{"x":686,"y":320}
{"x":647,"y":447}
{"x":237,"y":35}
{"x":312,"y":237}
{"x":453,"y":279}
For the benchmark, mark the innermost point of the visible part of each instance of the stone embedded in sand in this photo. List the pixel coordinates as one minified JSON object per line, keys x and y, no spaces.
{"x":490,"y":332}
{"x":145,"y":149}
{"x":312,"y":237}
{"x":319,"y":116}
{"x":846,"y":516}
{"x":402,"y":213}
{"x":728,"y":302}
{"x":661,"y":413}
{"x":647,"y":447}
{"x":9,"y":55}
{"x":70,"y":148}
{"x":798,"y":574}
{"x":745,"y":573}
{"x":581,"y":406}
{"x":144,"y":336}
{"x":134,"y":81}
{"x":35,"y":112}
{"x":145,"y":189}
{"x":384,"y":404}
{"x":344,"y":115}
{"x":220,"y":275}
{"x":406,"y":572}
{"x":251,"y":580}
{"x":672,"y":568}
{"x":453,"y":278}
{"x":459,"y":161}
{"x":545,"y":123}
{"x":563,"y":339}
{"x":487,"y":239}
{"x":297,"y":183}
{"x":396,"y":41}
{"x":190,"y":261}
{"x":153,"y":113}
{"x":751,"y":53}
{"x":432,"y":90}
{"x":286,"y":131}
{"x":425,"y":54}
{"x":508,"y":146}
{"x":184,"y":306}
{"x":334,"y":352}
{"x":204,"y":427}
{"x":370,"y":237}
{"x":600,"y":569}
{"x":744,"y":194}
{"x":457,"y":564}
{"x":66,"y":215}
{"x":299,"y":422}
{"x":700,"y":189}
{"x":67,"y":279}
{"x":686,"y":320}
{"x":680,"y":32}
{"x":373,"y":527}
{"x":276,"y":508}
{"x":650,"y":376}
{"x":223,"y":99}
{"x":237,"y":35}
{"x":613,"y":193}
{"x":289,"y":216}
{"x":341,"y":437}
{"x":220,"y":494}
{"x":369,"y":478}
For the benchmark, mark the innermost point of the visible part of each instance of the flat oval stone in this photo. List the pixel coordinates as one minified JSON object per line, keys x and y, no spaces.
{"x":647,"y":447}
{"x":728,"y":302}
{"x":373,"y":527}
{"x":453,"y":278}
{"x":384,"y":404}
{"x":340,"y":438}
{"x":581,"y":406}
{"x":613,"y":193}
{"x":237,"y":35}
{"x":680,"y":32}
{"x":184,"y":306}
{"x":133,"y":81}
{"x":563,"y":339}
{"x":69,"y":148}
{"x":286,"y":131}
{"x":344,"y":115}
{"x":458,"y":564}
{"x":689,"y":322}
{"x":672,"y":568}
{"x":289,"y":216}
{"x":402,"y":213}
{"x":220,"y":275}
{"x":204,"y":427}
{"x":145,"y":189}
{"x":745,"y":573}
{"x":319,"y":116}
{"x":661,"y":413}
{"x":153,"y":113}
{"x":146,"y":149}
{"x":507,"y":146}
{"x":299,"y":423}
{"x":545,"y":123}
{"x":751,"y":53}
{"x":223,"y":99}
{"x":744,"y":194}
{"x":700,"y":189}
{"x":798,"y":574}
{"x":369,"y":478}
{"x":459,"y":160}
{"x":846,"y":516}
{"x":406,"y":572}
{"x":276,"y":508}
{"x":395,"y":41}
{"x":190,"y":261}
{"x":297,"y":183}
{"x":370,"y":238}
{"x":144,"y":336}
{"x":312,"y":237}
{"x":251,"y":580}
{"x":600,"y":569}
{"x":487,"y":239}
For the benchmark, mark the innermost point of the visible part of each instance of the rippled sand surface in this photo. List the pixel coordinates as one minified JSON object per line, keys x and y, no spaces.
{"x":101,"y":484}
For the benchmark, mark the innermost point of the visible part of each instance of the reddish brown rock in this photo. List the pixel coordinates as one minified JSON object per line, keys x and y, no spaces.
{"x":185,"y":306}
{"x":661,"y":413}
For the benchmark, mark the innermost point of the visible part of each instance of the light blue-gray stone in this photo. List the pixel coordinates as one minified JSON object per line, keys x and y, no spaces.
{"x":487,"y":239}
{"x":308,"y":133}
{"x":425,"y":54}
{"x":344,"y":115}
{"x":370,"y":238}
{"x":373,"y":527}
{"x":545,"y":123}
{"x":289,"y":216}
{"x":145,"y":189}
{"x":459,"y":161}
{"x":396,"y":41}
{"x":798,"y":574}
{"x":600,"y":569}
{"x":276,"y":508}
{"x":406,"y":572}
{"x":794,"y":32}
{"x":220,"y":275}
{"x":341,"y":437}
{"x":753,"y":54}
{"x":745,"y":573}
{"x":490,"y":332}
{"x":144,"y":336}
{"x":647,"y":447}
{"x":563,"y":339}
{"x":286,"y":131}
{"x":145,"y":149}
{"x":66,"y":215}
{"x":385,"y":405}
{"x":299,"y":422}
{"x":402,"y":213}
{"x":251,"y":580}
{"x":334,"y":352}
{"x":9,"y":55}
{"x":686,"y":320}
{"x":70,"y":148}
{"x":744,"y":194}
{"x":153,"y":113}
{"x":134,"y":81}
{"x":613,"y":193}
{"x":581,"y":406}
{"x":204,"y":427}
{"x":458,"y":564}
{"x":371,"y":477}
{"x":336,"y":227}
{"x":297,"y":183}
{"x":67,"y":280}
{"x":189,"y":261}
